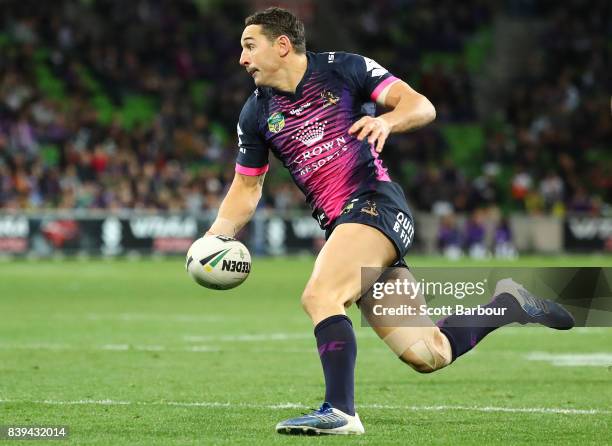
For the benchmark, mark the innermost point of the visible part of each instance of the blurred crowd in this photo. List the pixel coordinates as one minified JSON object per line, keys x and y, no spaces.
{"x":560,"y":114}
{"x":57,"y":151}
{"x":482,"y":234}
{"x":70,"y":137}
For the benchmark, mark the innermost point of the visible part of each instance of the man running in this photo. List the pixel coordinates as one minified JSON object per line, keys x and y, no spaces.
{"x":315,"y":112}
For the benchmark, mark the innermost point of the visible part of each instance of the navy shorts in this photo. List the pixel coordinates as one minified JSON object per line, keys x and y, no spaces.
{"x":385,"y":209}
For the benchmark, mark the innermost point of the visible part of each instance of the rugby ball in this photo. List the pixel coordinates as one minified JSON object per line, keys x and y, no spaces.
{"x":218,"y":262}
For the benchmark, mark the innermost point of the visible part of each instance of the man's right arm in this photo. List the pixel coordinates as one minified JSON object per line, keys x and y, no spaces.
{"x":244,"y":193}
{"x":239,"y":205}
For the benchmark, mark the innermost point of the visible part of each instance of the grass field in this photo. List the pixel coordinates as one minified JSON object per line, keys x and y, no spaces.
{"x":133,"y":352}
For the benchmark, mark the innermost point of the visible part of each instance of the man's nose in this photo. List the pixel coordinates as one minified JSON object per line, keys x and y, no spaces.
{"x":244,"y":60}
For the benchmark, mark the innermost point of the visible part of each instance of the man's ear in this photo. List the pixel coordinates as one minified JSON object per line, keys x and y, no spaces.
{"x":284,"y":45}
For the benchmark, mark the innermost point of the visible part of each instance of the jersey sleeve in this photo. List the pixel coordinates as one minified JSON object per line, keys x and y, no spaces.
{"x":252,"y":156}
{"x":365,"y":75}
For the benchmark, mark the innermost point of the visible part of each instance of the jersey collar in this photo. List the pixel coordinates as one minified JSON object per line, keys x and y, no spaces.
{"x":300,"y":85}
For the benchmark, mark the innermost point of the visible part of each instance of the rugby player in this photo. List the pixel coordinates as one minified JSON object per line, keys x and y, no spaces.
{"x":315,"y":112}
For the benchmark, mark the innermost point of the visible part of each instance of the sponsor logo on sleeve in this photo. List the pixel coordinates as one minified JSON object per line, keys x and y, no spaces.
{"x":240,"y":143}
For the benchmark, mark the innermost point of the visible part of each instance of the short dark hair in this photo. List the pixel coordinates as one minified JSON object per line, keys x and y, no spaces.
{"x":277,"y":22}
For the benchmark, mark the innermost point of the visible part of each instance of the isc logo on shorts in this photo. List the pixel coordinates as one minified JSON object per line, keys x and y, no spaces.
{"x":403,"y":226}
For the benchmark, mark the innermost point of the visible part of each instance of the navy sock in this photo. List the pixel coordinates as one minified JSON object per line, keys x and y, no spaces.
{"x":338,"y":351}
{"x":465,"y":331}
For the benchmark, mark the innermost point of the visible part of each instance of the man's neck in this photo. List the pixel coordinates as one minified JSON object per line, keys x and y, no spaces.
{"x":291,"y":76}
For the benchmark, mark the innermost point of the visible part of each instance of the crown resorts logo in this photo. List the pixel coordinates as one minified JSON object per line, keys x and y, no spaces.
{"x":310,"y":132}
{"x":276,"y":122}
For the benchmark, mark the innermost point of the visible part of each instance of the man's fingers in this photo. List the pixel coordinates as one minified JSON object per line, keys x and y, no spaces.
{"x":381,"y":143}
{"x":366,"y":130}
{"x":356,"y":126}
{"x":374,"y":135}
{"x":371,"y":128}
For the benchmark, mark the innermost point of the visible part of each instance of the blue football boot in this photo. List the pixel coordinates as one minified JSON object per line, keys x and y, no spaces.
{"x":325,"y":420}
{"x":536,"y":310}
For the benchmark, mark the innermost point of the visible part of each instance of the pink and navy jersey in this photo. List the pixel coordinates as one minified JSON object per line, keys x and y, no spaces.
{"x":308,"y":131}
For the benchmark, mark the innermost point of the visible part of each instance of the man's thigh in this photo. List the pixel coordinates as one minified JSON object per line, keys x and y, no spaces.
{"x":337,"y":270}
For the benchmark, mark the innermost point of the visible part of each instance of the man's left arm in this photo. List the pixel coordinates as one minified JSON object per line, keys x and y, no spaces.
{"x":409,"y":110}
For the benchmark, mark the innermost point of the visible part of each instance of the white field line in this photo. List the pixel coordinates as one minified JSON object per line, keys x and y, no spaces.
{"x":533,"y":330}
{"x":147,"y":348}
{"x":566,"y":359}
{"x":264,"y":337}
{"x":110,"y":347}
{"x":150,"y":348}
{"x":278,"y":406}
{"x":222,"y":318}
{"x":135,"y":317}
{"x":249,"y":337}
{"x":36,"y":346}
{"x":151,"y":317}
{"x":599,"y":359}
{"x":365,"y":334}
{"x":144,"y":317}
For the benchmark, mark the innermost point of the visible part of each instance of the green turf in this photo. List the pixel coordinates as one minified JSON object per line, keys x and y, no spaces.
{"x":80,"y":333}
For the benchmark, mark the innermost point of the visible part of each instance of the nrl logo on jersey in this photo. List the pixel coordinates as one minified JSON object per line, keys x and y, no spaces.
{"x":276,"y":122}
{"x":374,"y":67}
{"x":329,"y":98}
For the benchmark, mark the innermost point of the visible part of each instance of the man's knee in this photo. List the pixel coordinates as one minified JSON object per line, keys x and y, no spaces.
{"x":314,"y":301}
{"x":324,"y":294}
{"x":310,"y":300}
{"x":424,"y":349}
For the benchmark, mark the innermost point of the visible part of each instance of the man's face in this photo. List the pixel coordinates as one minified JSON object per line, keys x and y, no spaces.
{"x":260,"y":57}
